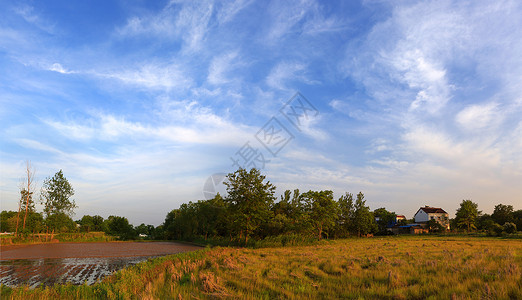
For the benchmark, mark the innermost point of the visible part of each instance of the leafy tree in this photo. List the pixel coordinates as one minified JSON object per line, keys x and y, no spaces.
{"x":434,"y":226}
{"x":86,"y":223}
{"x":55,"y":195}
{"x":517,"y":218}
{"x":97,"y":223}
{"x":323,"y":210}
{"x":119,"y":226}
{"x":346,"y":214}
{"x":60,"y":222}
{"x":385,"y":217}
{"x":484,"y":222}
{"x":5,"y":225}
{"x":510,"y":227}
{"x":363,"y":220}
{"x":467,"y":214}
{"x":502,"y":214}
{"x":495,"y":229}
{"x":249,"y":199}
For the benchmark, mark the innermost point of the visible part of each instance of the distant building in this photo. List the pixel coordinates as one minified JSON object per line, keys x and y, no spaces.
{"x":399,"y":218}
{"x":426,"y":213}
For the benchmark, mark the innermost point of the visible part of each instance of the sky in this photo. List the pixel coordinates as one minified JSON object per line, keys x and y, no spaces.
{"x":141,"y":103}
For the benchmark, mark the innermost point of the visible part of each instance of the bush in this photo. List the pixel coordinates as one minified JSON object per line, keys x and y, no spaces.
{"x":495,"y":229}
{"x":510,"y":227}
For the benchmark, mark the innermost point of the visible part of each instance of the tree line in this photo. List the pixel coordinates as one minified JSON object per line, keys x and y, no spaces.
{"x":55,"y":195}
{"x":58,"y":208}
{"x":250,"y":211}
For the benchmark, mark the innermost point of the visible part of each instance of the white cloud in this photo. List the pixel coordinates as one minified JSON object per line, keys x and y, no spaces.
{"x":188,"y":21}
{"x":152,"y":76}
{"x":56,"y":67}
{"x":479,"y":116}
{"x":288,"y":71}
{"x":221,"y":66}
{"x":285,"y":15}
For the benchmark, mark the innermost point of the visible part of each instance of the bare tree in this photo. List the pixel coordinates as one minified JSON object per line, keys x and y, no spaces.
{"x":27,"y":188}
{"x":18,"y":216}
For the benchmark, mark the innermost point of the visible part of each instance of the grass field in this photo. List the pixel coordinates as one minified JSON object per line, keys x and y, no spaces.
{"x":405,"y":267}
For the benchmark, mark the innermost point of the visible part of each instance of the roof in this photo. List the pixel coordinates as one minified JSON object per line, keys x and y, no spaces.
{"x":433,"y":210}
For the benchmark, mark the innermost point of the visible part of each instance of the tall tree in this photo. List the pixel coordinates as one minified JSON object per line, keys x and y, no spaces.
{"x":467,"y":214}
{"x":28,"y":188}
{"x":502,"y":214}
{"x":55,"y":195}
{"x":323,"y":210}
{"x":385,"y":218}
{"x":346,"y":213}
{"x":363,"y":221}
{"x":249,"y":199}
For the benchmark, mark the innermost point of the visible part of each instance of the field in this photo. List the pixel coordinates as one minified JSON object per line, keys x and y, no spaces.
{"x":405,"y":267}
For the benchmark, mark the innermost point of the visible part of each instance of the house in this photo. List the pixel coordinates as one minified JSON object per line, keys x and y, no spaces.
{"x":426,"y":213}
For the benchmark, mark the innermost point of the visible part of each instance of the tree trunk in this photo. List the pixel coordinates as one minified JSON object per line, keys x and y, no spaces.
{"x":18,"y":217}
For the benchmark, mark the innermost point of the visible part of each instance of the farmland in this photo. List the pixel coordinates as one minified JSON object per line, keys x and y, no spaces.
{"x":405,"y":267}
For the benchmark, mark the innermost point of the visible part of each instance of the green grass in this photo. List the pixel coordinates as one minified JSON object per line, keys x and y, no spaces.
{"x":405,"y":267}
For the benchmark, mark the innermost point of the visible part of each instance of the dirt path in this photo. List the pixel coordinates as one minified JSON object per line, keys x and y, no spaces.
{"x":82,"y":250}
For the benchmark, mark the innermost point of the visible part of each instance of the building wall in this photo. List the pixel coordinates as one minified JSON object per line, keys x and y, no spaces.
{"x":421,"y":216}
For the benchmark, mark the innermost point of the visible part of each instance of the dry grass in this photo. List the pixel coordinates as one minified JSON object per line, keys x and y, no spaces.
{"x":380,"y":268}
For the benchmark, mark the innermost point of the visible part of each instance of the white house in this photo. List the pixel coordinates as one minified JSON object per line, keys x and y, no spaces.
{"x":426,"y":213}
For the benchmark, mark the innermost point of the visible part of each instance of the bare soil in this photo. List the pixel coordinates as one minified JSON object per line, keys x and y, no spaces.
{"x":83,"y":250}
{"x":76,"y":263}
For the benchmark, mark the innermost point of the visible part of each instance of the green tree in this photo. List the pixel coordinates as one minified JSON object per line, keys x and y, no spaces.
{"x":55,"y":195}
{"x":346,"y":213}
{"x":517,"y":218}
{"x":60,"y":222}
{"x":502,"y":214}
{"x":363,"y":221}
{"x":385,"y":219}
{"x":119,"y":226}
{"x":323,"y":210}
{"x":467,"y":214}
{"x":249,"y":199}
{"x":5,"y":225}
{"x":510,"y":227}
{"x":86,"y":223}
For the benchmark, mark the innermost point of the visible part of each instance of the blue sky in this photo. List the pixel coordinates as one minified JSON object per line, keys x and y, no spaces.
{"x":416,"y":103}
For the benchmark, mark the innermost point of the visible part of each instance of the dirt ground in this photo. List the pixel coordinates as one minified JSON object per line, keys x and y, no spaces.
{"x":76,"y":263}
{"x":83,"y":250}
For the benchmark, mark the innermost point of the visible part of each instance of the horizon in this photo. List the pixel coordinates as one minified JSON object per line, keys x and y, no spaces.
{"x":411,"y":103}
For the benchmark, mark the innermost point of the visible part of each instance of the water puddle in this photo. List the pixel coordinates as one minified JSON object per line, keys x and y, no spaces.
{"x":49,"y":271}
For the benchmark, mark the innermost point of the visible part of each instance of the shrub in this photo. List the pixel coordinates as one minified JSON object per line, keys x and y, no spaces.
{"x":495,"y":229}
{"x":510,"y":227}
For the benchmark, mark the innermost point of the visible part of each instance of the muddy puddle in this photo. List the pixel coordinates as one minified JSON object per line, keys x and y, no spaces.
{"x":75,"y":263}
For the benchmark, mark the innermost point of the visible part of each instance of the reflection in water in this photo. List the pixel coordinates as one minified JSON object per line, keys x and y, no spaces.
{"x":48,"y":271}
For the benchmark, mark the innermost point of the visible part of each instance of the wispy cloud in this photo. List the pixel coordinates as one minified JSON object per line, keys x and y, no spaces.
{"x":229,"y":9}
{"x":188,"y":21}
{"x":286,"y":72}
{"x":221,"y":66}
{"x":154,"y":76}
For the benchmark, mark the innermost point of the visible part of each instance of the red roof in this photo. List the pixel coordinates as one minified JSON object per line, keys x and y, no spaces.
{"x":433,"y":210}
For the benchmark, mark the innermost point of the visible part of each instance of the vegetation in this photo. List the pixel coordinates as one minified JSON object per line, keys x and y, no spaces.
{"x":466,"y":215}
{"x":405,"y":267}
